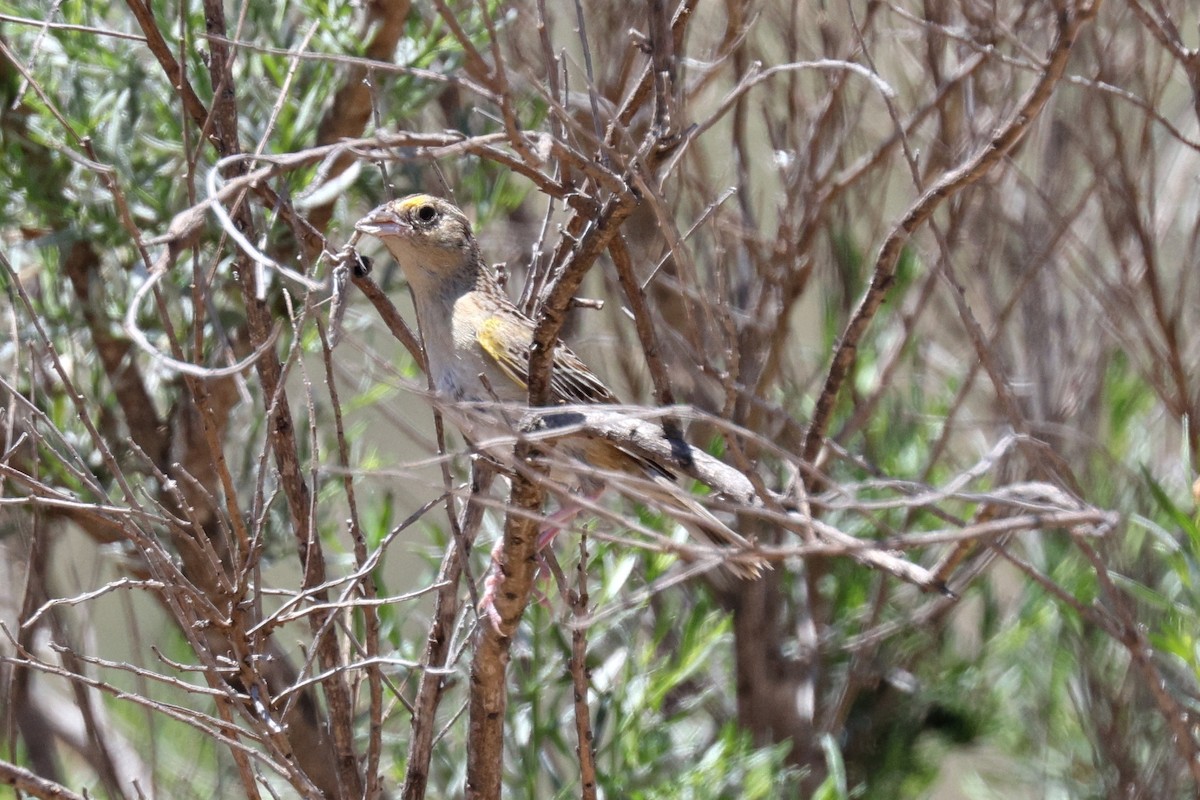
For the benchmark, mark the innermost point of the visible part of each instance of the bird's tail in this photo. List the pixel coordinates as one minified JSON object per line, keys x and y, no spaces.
{"x":703,"y":524}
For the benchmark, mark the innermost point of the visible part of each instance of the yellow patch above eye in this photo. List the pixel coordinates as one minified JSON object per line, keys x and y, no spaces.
{"x":413,"y":202}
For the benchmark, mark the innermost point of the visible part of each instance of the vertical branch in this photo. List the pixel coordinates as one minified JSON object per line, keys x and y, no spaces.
{"x":579,"y":678}
{"x":437,"y":643}
{"x":369,"y":591}
{"x":636,"y":99}
{"x":516,"y":565}
{"x":516,"y":561}
{"x":280,"y":426}
{"x":642,"y":321}
{"x":555,"y":299}
{"x":662,"y":58}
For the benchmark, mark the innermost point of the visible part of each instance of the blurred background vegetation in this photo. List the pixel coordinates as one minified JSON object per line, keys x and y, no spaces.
{"x":1031,"y":357}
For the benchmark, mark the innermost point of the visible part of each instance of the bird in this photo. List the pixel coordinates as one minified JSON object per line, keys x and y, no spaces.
{"x":477,"y":344}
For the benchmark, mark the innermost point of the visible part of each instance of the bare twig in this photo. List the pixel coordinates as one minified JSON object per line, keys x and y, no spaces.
{"x":1001,"y":142}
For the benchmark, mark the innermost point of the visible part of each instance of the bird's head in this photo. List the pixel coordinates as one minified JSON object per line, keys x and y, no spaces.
{"x":424,"y":233}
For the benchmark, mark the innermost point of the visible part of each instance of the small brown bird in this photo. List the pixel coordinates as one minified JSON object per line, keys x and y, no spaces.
{"x":477,"y":344}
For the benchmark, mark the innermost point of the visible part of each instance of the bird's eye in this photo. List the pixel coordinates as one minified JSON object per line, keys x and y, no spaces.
{"x":427,"y":213}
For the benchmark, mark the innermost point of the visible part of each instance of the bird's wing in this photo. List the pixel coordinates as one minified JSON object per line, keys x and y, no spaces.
{"x":570,"y":381}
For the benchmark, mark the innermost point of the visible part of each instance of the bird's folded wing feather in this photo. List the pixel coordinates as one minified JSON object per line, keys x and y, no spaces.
{"x":570,"y":381}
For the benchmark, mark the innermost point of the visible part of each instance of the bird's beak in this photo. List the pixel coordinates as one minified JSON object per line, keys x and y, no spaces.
{"x":383,"y":221}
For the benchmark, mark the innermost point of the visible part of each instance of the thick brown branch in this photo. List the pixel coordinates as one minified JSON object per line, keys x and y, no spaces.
{"x":516,"y":566}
